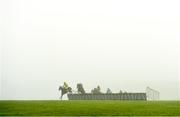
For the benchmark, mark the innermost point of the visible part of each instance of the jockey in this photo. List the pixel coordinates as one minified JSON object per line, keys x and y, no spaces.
{"x":98,"y":87}
{"x":65,"y":86}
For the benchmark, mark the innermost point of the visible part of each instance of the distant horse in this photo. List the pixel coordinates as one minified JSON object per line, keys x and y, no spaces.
{"x":80,"y":88}
{"x":96,"y":90}
{"x":64,"y":91}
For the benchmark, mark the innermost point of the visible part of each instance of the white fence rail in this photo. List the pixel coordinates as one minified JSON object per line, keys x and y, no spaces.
{"x":113,"y":96}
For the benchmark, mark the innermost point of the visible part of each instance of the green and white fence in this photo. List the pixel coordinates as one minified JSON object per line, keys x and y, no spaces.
{"x":113,"y":96}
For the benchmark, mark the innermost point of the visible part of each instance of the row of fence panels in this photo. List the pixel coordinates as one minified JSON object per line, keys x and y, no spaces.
{"x":119,"y":96}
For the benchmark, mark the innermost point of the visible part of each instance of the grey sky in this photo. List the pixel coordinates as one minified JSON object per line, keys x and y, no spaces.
{"x":126,"y":45}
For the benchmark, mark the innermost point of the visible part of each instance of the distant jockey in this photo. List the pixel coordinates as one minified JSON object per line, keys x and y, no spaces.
{"x":98,"y":87}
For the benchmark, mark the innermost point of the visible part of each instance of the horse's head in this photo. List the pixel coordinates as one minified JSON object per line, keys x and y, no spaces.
{"x":60,"y":88}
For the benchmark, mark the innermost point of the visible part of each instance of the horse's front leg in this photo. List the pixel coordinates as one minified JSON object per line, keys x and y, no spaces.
{"x":61,"y":95}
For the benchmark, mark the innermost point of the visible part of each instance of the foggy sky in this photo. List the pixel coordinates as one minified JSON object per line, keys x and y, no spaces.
{"x":125,"y":45}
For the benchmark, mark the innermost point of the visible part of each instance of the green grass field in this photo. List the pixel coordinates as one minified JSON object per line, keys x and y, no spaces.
{"x":90,"y":108}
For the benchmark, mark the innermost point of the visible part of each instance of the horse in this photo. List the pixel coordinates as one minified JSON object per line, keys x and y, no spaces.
{"x":96,"y":91}
{"x":80,"y":88}
{"x":64,"y":91}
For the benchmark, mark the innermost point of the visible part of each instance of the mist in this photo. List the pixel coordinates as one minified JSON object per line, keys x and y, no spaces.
{"x":121,"y":45}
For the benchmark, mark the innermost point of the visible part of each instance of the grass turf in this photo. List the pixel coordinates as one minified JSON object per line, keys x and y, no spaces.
{"x":90,"y":108}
